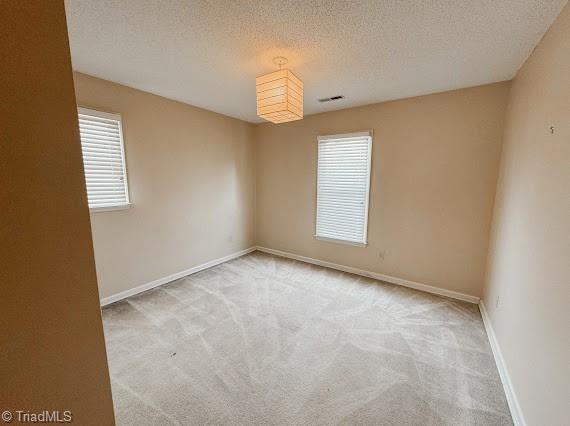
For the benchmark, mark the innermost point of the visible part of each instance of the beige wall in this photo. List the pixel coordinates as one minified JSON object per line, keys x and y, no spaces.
{"x":191,"y":182}
{"x":529,"y":256}
{"x":52,"y":352}
{"x":434,"y":170}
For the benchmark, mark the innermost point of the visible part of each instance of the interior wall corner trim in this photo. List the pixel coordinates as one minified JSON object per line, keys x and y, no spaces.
{"x":381,"y":277}
{"x":512,"y":400}
{"x":156,"y":283}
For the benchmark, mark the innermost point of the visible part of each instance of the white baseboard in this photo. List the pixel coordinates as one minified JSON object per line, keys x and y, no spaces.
{"x":512,"y":400}
{"x":144,"y":287}
{"x":375,"y":275}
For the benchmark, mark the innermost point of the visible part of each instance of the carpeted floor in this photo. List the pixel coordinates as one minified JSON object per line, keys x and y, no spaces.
{"x":270,"y":341}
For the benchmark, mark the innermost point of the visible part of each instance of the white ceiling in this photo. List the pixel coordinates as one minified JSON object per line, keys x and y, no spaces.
{"x":208,"y":53}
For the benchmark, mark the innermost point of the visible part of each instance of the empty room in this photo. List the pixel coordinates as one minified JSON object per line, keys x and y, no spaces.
{"x":263,"y":212}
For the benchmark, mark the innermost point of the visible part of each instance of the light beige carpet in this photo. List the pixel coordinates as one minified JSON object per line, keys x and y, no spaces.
{"x":269,"y":341}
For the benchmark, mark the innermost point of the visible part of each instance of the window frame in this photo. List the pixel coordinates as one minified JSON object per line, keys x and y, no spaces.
{"x":369,"y":136}
{"x":117,"y":117}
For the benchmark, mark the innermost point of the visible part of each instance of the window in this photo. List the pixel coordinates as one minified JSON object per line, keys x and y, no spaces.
{"x":343,"y":183}
{"x":103,"y":159}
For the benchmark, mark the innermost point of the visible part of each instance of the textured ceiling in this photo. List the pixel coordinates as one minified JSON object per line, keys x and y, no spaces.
{"x":208,"y":53}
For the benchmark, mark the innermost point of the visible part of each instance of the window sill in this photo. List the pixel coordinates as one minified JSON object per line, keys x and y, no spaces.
{"x":334,"y":240}
{"x":110,"y":208}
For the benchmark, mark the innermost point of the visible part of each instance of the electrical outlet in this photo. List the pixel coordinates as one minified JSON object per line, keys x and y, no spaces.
{"x":497,"y":302}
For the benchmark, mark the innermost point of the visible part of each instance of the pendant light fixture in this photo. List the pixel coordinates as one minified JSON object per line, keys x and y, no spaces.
{"x":279,"y":95}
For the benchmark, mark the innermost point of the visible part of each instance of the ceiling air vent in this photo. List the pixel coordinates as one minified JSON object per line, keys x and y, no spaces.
{"x":332,"y":98}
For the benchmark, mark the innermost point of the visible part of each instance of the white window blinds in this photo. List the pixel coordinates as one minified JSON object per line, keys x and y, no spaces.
{"x":343,"y":183}
{"x":103,"y":159}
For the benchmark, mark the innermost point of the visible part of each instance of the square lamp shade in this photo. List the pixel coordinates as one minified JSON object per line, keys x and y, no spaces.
{"x":279,"y":96}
